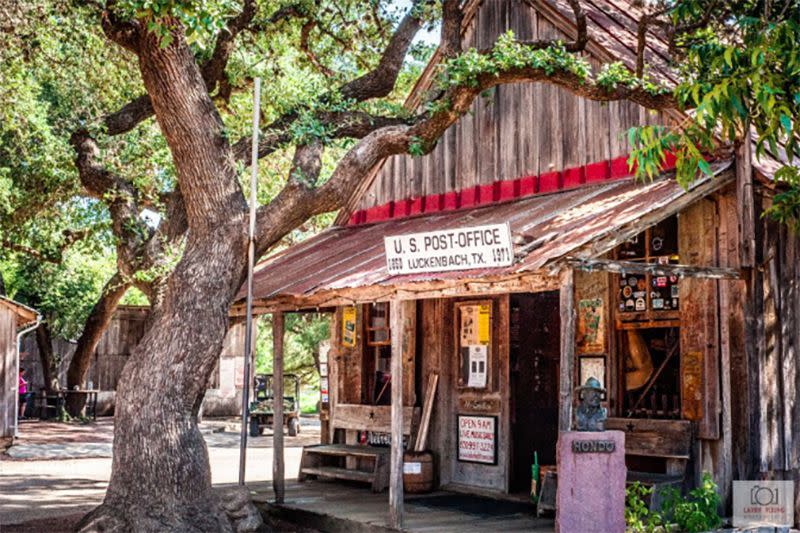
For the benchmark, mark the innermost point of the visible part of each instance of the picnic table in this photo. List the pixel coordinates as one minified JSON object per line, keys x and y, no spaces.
{"x":58,"y":399}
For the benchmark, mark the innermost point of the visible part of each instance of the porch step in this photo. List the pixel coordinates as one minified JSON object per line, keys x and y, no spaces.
{"x":338,"y":473}
{"x":346,"y":450}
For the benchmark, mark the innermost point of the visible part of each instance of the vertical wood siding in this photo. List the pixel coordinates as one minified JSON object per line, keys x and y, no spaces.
{"x":8,"y":371}
{"x":513,"y":130}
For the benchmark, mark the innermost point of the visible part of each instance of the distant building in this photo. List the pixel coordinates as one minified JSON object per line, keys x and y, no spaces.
{"x":15,"y":319}
{"x":127,"y":327}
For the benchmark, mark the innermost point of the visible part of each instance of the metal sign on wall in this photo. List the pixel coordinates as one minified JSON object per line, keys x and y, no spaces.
{"x":487,"y":246}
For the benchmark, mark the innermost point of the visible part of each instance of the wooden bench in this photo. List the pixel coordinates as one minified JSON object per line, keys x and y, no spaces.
{"x":670,"y":440}
{"x":352,"y":461}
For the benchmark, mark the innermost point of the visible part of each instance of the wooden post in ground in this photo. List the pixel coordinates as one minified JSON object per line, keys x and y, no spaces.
{"x":396,"y":466}
{"x":567,"y":364}
{"x":277,"y":409}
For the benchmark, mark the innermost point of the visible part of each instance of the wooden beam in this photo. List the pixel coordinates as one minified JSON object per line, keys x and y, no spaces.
{"x":396,"y":312}
{"x":633,"y":267}
{"x":745,"y":203}
{"x":538,"y":281}
{"x":567,"y":364}
{"x":278,"y":482}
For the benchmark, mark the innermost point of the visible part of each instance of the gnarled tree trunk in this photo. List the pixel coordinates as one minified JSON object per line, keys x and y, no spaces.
{"x":99,"y":318}
{"x":161,"y":479}
{"x":44,"y":342}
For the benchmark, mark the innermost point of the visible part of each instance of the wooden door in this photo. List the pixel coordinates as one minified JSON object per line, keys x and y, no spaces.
{"x":535,"y":348}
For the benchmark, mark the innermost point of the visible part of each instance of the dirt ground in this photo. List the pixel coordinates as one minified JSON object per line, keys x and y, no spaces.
{"x":45,"y":494}
{"x":67,"y":524}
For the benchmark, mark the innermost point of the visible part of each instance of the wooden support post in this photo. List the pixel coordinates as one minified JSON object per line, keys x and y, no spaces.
{"x":567,"y":364}
{"x":397,"y":317}
{"x":745,"y":203}
{"x":277,"y":409}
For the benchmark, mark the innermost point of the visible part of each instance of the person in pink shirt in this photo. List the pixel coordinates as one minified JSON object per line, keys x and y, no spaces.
{"x":24,"y":394}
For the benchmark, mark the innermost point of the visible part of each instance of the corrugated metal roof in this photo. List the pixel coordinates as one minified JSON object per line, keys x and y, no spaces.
{"x":549,"y":228}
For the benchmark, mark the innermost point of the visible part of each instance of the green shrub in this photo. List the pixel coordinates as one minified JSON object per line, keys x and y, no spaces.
{"x":693,"y":513}
{"x":698,"y":511}
{"x":638,"y":517}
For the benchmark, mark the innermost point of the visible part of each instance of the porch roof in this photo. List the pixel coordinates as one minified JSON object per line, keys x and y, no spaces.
{"x":347,"y":264}
{"x":26,"y":316}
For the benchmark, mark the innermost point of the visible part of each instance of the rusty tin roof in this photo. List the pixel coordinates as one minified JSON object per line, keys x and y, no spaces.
{"x":546,"y":229}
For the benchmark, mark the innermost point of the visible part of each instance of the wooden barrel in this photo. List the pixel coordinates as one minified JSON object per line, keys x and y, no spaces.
{"x":417,"y":472}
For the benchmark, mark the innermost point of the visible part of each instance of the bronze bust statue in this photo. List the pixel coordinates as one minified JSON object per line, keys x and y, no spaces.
{"x":590,"y":416}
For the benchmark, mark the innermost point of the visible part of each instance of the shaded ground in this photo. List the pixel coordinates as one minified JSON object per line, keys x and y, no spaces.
{"x":354,"y":508}
{"x":47,"y":494}
{"x":40,"y":432}
{"x":67,"y":524}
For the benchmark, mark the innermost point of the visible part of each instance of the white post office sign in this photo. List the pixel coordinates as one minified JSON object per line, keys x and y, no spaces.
{"x":452,"y":249}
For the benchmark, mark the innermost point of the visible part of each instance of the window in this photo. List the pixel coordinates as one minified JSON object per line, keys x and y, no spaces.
{"x":377,"y":387}
{"x":378,"y":333}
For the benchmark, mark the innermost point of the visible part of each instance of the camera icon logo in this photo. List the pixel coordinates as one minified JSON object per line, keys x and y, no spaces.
{"x":760,"y":495}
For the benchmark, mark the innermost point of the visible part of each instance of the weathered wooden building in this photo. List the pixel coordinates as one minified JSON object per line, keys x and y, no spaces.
{"x":15,"y":319}
{"x":683,"y":302}
{"x":127,"y":326}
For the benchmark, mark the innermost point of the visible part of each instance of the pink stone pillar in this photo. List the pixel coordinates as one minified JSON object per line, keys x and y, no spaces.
{"x":591,"y":482}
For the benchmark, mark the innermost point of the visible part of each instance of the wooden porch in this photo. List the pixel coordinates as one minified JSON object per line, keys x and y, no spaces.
{"x":341,"y":507}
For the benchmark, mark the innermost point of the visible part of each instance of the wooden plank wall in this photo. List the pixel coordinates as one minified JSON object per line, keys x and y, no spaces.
{"x":515,"y":130}
{"x":123,"y":334}
{"x":773,"y":352}
{"x":8,"y":372}
{"x":697,"y":245}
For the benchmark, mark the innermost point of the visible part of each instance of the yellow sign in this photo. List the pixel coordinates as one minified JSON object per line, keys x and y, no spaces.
{"x":349,"y":327}
{"x":484,"y":324}
{"x":476,"y":324}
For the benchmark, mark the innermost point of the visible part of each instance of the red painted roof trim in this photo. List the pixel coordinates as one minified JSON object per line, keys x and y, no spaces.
{"x":501,"y":191}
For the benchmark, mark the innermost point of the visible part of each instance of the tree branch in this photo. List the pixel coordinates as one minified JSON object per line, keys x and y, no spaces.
{"x":381,"y":80}
{"x":452,"y":20}
{"x":305,"y":33}
{"x":126,"y":34}
{"x":292,"y":206}
{"x":374,"y":84}
{"x":351,"y":124}
{"x":141,"y":108}
{"x":119,"y":195}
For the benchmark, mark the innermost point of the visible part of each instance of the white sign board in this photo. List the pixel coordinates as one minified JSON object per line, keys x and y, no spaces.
{"x":452,"y":249}
{"x":477,"y":439}
{"x":412,"y":468}
{"x":478,"y":358}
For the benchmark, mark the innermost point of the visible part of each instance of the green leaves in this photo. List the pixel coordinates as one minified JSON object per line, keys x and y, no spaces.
{"x":785,"y":206}
{"x":741,"y":74}
{"x":201,"y":19}
{"x":508,"y":54}
{"x":695,"y":513}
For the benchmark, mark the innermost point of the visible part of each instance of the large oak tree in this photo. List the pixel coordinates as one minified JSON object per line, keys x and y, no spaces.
{"x":195,"y":60}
